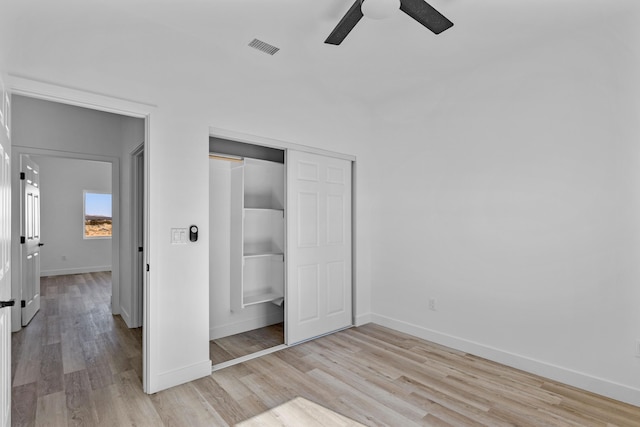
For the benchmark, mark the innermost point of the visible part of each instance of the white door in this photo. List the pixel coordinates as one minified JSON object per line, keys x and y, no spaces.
{"x":30,"y":238}
{"x":318,"y":295}
{"x":5,"y":279}
{"x":137,"y":204}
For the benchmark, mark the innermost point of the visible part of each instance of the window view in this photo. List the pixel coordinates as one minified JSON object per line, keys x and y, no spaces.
{"x":97,"y":215}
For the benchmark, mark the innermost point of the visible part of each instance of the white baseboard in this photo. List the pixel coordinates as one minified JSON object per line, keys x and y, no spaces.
{"x":125,"y":316}
{"x":244,"y":326}
{"x":362,"y":319}
{"x":564,"y":375}
{"x":77,"y":270}
{"x":179,"y":376}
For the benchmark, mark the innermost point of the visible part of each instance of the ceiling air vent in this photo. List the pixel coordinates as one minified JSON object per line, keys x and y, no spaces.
{"x":263,"y":47}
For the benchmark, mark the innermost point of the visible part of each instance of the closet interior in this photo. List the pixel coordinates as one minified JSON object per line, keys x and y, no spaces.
{"x":247,"y":247}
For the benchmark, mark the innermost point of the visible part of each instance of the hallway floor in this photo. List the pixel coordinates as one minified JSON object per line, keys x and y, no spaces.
{"x":73,"y":353}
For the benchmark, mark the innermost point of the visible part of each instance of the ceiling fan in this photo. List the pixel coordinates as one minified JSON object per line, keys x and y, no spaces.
{"x":419,"y":10}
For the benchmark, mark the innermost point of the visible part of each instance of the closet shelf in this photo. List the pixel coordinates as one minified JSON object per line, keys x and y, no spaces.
{"x":257,"y":232}
{"x":264,"y":210}
{"x":262,"y":254}
{"x":261,"y":298}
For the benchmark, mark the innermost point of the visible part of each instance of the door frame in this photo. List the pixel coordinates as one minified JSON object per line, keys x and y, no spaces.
{"x":137,"y":230}
{"x":67,"y":95}
{"x":283,"y":145}
{"x":16,"y":281}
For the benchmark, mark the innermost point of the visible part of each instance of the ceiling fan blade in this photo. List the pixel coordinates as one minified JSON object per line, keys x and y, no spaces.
{"x":425,"y":14}
{"x":346,"y":24}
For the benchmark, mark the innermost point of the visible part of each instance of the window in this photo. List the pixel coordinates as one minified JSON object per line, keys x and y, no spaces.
{"x":97,"y":215}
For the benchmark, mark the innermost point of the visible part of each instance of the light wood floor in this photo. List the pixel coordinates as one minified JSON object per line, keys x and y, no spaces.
{"x":75,"y":364}
{"x":72,"y":354}
{"x":234,"y":346}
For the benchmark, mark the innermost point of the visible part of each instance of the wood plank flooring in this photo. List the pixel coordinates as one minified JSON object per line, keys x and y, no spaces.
{"x":76,"y":364}
{"x":234,"y":346}
{"x":72,"y":353}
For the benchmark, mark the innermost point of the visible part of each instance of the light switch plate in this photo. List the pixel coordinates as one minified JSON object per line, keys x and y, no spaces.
{"x":179,"y":236}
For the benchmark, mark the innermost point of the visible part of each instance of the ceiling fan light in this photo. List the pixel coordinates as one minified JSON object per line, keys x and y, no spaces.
{"x":379,"y":9}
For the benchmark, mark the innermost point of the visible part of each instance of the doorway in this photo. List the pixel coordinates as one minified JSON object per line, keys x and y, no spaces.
{"x":76,"y":215}
{"x":87,"y":135}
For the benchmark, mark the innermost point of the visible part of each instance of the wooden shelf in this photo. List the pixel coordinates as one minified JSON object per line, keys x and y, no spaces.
{"x":261,"y":298}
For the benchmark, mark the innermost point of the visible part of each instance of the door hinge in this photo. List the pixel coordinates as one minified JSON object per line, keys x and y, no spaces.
{"x":23,"y":303}
{"x":9,"y":303}
{"x":147,"y":267}
{"x":140,"y":249}
{"x":23,"y":176}
{"x":22,"y":239}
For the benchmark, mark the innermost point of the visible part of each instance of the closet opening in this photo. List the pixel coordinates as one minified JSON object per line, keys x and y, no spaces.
{"x":247,"y":250}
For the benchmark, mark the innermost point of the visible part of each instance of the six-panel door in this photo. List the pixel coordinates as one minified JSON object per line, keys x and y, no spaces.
{"x":318,"y":296}
{"x":30,"y":262}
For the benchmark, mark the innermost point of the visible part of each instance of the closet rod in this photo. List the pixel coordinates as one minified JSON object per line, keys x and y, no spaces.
{"x":226,"y":157}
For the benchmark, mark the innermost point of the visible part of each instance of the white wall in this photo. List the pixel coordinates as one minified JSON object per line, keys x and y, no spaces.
{"x":62,"y":185}
{"x":513,"y":198}
{"x":65,"y":128}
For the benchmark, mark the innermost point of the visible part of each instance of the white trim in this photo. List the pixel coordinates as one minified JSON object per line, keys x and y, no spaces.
{"x":19,"y":150}
{"x":248,"y":357}
{"x":126,"y":317}
{"x":137,"y":210}
{"x":41,"y":152}
{"x":34,"y":88}
{"x":77,"y":270}
{"x":245,"y":325}
{"x":7,"y":115}
{"x":356,"y":319}
{"x":604,"y":387}
{"x":274,"y":143}
{"x":179,"y":376}
{"x":363,"y":319}
{"x":149,"y":317}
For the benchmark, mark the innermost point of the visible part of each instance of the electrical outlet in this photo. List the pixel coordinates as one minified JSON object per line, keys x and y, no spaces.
{"x":432,"y":304}
{"x":637,"y":348}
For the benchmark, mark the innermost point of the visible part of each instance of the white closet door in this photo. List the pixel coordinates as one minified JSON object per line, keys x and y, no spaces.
{"x":318,"y":295}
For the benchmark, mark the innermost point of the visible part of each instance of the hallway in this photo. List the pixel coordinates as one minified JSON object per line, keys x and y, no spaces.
{"x":74,"y":354}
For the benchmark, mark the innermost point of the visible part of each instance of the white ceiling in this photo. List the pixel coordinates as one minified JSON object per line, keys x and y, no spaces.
{"x":131,"y":48}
